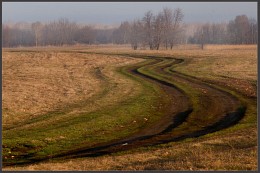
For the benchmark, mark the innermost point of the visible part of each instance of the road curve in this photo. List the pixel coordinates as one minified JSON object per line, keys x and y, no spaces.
{"x":197,"y":109}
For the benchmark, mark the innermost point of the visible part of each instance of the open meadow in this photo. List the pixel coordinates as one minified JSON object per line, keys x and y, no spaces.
{"x":107,"y":107}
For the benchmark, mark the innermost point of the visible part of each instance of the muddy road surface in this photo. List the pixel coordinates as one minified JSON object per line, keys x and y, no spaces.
{"x":197,"y":108}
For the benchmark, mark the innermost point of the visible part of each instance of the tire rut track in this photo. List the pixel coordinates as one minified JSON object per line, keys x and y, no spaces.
{"x":227,"y":111}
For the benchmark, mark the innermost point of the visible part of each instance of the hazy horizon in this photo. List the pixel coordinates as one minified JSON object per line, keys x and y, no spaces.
{"x":111,"y":13}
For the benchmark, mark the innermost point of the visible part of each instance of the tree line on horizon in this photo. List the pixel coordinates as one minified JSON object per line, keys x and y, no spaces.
{"x":153,"y":31}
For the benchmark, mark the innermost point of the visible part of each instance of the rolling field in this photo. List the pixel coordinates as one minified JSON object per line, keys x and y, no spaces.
{"x":112,"y":108}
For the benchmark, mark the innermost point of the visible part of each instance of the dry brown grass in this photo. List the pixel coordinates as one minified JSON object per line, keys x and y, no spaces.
{"x":229,"y":47}
{"x":231,"y":65}
{"x":236,"y":63}
{"x":236,"y":149}
{"x":38,"y":82}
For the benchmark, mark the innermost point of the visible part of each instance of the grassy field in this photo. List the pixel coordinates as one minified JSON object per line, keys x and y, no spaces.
{"x":55,"y":99}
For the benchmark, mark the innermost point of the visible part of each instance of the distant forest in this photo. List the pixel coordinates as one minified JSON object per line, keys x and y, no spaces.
{"x":153,"y":31}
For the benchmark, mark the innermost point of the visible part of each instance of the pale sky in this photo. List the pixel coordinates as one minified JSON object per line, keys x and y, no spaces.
{"x":116,"y":12}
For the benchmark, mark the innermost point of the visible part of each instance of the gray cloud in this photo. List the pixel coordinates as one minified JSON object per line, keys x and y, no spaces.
{"x":115,"y":12}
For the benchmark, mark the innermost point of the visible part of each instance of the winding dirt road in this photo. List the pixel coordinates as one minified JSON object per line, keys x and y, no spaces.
{"x":198,"y":108}
{"x":215,"y":110}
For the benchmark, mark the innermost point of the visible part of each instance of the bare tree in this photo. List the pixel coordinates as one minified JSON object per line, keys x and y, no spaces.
{"x":148,"y":28}
{"x":253,"y":31}
{"x":158,"y":26}
{"x":167,"y":25}
{"x":6,"y":35}
{"x":176,"y":25}
{"x":136,"y":34}
{"x":161,"y":28}
{"x":239,"y":30}
{"x":152,"y":30}
{"x":121,"y":34}
{"x":37,"y":27}
{"x":86,"y":35}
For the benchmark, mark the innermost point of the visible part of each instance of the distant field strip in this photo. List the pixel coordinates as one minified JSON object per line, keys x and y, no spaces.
{"x":140,"y":104}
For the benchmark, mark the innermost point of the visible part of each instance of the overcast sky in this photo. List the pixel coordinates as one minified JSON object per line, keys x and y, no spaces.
{"x":116,"y":12}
